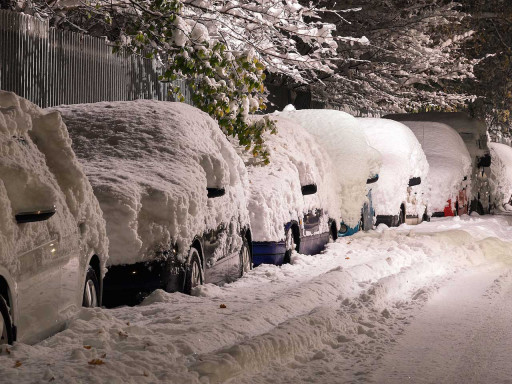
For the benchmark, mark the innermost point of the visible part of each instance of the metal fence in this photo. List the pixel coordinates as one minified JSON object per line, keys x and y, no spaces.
{"x":50,"y":67}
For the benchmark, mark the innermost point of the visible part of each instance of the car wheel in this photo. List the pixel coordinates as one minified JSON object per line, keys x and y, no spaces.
{"x":193,"y":277}
{"x":6,"y":335}
{"x":333,"y":233}
{"x":91,"y":289}
{"x":290,"y":246}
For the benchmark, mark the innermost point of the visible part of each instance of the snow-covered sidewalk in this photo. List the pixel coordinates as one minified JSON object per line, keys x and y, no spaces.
{"x":330,"y":318}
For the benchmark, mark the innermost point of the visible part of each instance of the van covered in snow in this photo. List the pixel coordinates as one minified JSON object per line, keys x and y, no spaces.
{"x":172,"y":189}
{"x":355,"y":163}
{"x":500,"y":178}
{"x":53,"y":243}
{"x":450,"y":168}
{"x":399,"y":194}
{"x":292,"y":201}
{"x":473,"y":133}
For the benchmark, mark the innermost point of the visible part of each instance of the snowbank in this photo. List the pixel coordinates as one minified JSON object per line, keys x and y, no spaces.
{"x":402,"y":159}
{"x":275,"y":190}
{"x":449,"y":161}
{"x":38,"y":169}
{"x":501,"y":176}
{"x":150,"y":163}
{"x":354,"y":161}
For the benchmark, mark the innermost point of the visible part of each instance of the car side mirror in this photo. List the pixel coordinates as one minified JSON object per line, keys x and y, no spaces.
{"x":33,"y":216}
{"x":309,"y":189}
{"x":484,"y":161}
{"x":372,"y":180}
{"x":215,"y":192}
{"x":414,"y":181}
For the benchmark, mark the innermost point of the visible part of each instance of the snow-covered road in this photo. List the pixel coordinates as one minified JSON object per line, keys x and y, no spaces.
{"x":430,"y":302}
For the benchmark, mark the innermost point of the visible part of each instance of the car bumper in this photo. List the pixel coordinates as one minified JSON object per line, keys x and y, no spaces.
{"x":268,"y":252}
{"x":129,"y":284}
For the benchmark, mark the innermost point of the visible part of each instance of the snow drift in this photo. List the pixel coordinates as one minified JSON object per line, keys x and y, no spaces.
{"x":38,"y":169}
{"x":354,"y":161}
{"x":150,"y":163}
{"x":449,"y":161}
{"x":402,"y":159}
{"x":275,"y":196}
{"x":501,"y":176}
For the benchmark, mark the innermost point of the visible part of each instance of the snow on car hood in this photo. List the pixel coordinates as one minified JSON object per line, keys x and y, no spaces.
{"x":38,"y":169}
{"x":354,"y":161}
{"x":150,"y":163}
{"x":402,"y":159}
{"x":501,"y":175}
{"x":448,"y":158}
{"x":276,"y":198}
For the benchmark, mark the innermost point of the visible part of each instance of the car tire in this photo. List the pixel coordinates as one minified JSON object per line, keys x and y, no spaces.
{"x":245,"y":258}
{"x":6,"y":330}
{"x":193,"y":276}
{"x":91,"y":289}
{"x":333,"y":233}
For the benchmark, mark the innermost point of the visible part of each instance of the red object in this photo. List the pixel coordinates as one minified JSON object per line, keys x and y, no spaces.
{"x":461,"y":205}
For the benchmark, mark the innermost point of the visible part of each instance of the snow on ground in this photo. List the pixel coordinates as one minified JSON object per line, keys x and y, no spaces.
{"x":500,"y":178}
{"x":330,"y":318}
{"x":402,"y":159}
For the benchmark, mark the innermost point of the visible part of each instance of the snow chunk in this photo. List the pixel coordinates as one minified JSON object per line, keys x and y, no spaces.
{"x":150,"y":163}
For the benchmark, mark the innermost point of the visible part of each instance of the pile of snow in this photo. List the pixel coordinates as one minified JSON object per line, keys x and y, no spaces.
{"x":275,"y":197}
{"x":38,"y":169}
{"x":150,"y":163}
{"x":501,"y":176}
{"x":449,"y":162}
{"x":402,"y":159}
{"x":339,"y":313}
{"x":354,"y":161}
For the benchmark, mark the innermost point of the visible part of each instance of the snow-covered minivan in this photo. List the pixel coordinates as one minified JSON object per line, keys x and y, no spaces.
{"x":399,"y":196}
{"x":449,"y":172}
{"x":293,"y":200}
{"x":355,"y":164}
{"x":172,"y":190}
{"x":53,"y":244}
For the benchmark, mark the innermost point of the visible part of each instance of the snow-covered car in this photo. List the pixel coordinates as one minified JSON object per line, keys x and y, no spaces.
{"x":473,"y":133}
{"x":292,"y":200}
{"x":449,"y":173}
{"x":355,"y":163}
{"x":53,"y":244}
{"x":398,"y":196}
{"x":172,"y":190}
{"x":500,"y":178}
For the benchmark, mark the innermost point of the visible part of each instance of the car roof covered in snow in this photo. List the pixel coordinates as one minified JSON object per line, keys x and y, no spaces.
{"x":472,"y":131}
{"x":276,"y":198}
{"x":340,"y":136}
{"x":38,"y":169}
{"x":402,"y":159}
{"x":150,"y":163}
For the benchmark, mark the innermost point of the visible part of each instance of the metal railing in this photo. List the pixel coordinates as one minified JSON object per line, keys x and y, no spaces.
{"x":51,"y":67}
